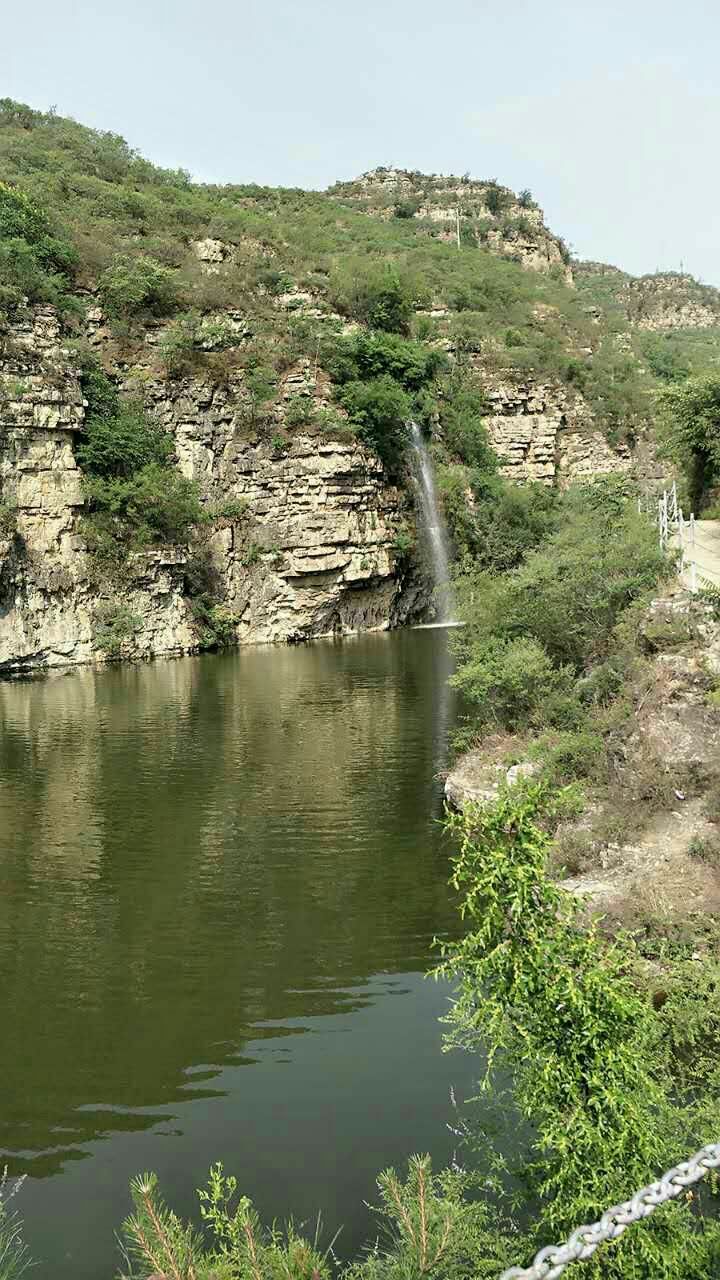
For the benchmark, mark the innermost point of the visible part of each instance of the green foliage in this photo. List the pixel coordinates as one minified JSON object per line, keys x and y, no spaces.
{"x":461,"y":419}
{"x":261,"y":387}
{"x":551,"y":1001}
{"x":232,"y":508}
{"x":115,"y":627}
{"x":188,"y":338}
{"x":573,"y":754}
{"x":33,"y":259}
{"x":155,"y":504}
{"x":505,"y":521}
{"x":431,"y":1225}
{"x":434,"y":1225}
{"x":379,"y":409}
{"x":691,"y":431}
{"x":497,"y":198}
{"x":300,"y":412}
{"x":666,"y":361}
{"x":122,"y":443}
{"x":404,"y":544}
{"x":34,"y":262}
{"x":508,"y":681}
{"x":216,"y":623}
{"x":378,"y":296}
{"x":242,"y":1248}
{"x":140,"y":285}
{"x":364,"y":356}
{"x":384,"y":381}
{"x":157,"y":1242}
{"x":570,"y":593}
{"x":100,"y":392}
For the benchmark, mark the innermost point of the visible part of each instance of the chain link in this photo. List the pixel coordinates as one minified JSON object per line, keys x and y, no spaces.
{"x":553,"y":1259}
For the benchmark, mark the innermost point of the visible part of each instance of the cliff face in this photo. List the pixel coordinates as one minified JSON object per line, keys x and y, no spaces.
{"x":545,"y":433}
{"x":306,"y":549}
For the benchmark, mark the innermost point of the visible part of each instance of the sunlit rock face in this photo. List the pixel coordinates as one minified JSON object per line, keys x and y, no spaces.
{"x":306,"y":546}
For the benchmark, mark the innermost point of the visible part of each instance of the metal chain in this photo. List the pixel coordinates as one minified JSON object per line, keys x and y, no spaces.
{"x":553,"y":1259}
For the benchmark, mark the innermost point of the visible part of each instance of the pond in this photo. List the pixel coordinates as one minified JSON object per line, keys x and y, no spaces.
{"x":220,"y":878}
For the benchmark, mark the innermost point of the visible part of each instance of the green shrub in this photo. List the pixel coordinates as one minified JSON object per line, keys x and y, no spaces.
{"x":379,"y":297}
{"x":570,"y":593}
{"x":153,"y":505}
{"x":496,"y":198}
{"x":115,"y":628}
{"x":406,"y":208}
{"x":573,"y":755}
{"x":261,"y":387}
{"x":120,"y":445}
{"x":216,"y":623}
{"x":23,"y":220}
{"x":133,"y":286}
{"x":103,"y":400}
{"x":509,"y":521}
{"x":431,"y":1225}
{"x":23,"y":275}
{"x":550,"y":1004}
{"x":664,"y":359}
{"x":365,"y":356}
{"x":232,"y":508}
{"x":300,"y":411}
{"x":705,"y":849}
{"x":461,"y":419}
{"x":509,"y":680}
{"x":379,"y":409}
{"x":15,"y":1258}
{"x":691,"y":431}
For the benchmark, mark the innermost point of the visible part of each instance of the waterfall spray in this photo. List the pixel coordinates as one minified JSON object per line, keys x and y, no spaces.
{"x":433,"y":526}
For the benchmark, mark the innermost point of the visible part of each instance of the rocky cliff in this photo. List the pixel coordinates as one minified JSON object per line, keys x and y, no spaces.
{"x":545,"y":433}
{"x":481,"y":212}
{"x":664,"y":302}
{"x":306,"y":547}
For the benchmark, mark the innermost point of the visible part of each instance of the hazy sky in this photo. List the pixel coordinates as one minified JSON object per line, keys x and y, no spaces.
{"x":609,"y":111}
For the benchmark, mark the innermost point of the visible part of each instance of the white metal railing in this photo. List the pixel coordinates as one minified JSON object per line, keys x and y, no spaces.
{"x":671,"y":522}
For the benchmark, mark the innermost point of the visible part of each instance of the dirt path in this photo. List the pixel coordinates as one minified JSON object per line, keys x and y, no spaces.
{"x":702,"y":557}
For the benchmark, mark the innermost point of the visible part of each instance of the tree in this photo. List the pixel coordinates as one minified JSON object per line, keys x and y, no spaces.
{"x":544,"y":996}
{"x":690,"y":426}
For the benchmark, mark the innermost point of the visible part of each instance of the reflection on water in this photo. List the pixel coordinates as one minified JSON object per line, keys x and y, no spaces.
{"x":211,"y":869}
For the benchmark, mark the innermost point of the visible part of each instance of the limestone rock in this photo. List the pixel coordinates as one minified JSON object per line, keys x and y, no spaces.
{"x":544,"y":433}
{"x":477,"y":776}
{"x":307,"y":549}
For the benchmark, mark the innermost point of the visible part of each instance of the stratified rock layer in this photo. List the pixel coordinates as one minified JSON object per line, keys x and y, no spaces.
{"x":305,"y":549}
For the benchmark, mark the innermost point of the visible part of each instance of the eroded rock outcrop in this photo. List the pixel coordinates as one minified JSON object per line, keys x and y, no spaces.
{"x":545,"y":433}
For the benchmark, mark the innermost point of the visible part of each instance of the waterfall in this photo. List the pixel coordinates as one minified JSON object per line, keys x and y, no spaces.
{"x":433,"y":526}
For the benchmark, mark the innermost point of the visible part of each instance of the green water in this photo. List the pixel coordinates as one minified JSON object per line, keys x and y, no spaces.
{"x":219,"y":882}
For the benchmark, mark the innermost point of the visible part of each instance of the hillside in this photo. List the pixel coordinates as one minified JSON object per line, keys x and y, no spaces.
{"x":206,"y":389}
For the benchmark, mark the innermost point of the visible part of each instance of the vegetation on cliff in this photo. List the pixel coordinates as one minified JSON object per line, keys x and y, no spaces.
{"x":86,"y":219}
